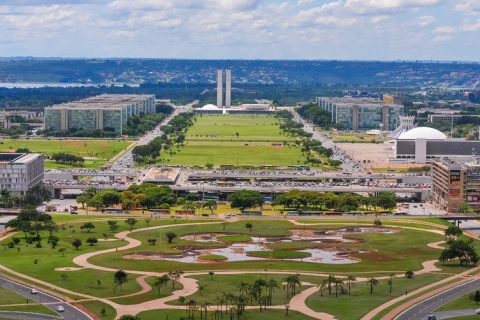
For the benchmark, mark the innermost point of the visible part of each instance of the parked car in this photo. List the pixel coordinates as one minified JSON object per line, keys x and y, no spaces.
{"x":205,"y":215}
{"x":74,"y":212}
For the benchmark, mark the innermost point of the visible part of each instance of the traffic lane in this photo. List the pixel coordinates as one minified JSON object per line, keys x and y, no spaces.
{"x":421,"y":310}
{"x":45,"y":299}
{"x":455,"y":313}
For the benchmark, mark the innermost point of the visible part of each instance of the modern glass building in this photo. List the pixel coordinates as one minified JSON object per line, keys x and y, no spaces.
{"x":362,"y":113}
{"x":100,"y":112}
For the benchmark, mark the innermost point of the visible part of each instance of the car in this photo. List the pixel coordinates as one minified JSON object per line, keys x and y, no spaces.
{"x":33,"y":291}
{"x":477,"y":311}
{"x":60,"y":309}
{"x":415,"y":206}
{"x":74,"y":212}
{"x":432,"y":317}
{"x":231,"y":214}
{"x":205,"y":215}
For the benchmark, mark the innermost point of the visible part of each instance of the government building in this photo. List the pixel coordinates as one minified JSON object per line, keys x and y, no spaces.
{"x":107,"y":112}
{"x":19,"y":171}
{"x":362,"y":114}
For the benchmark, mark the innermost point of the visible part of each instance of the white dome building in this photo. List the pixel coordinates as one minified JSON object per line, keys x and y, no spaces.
{"x":423,"y":133}
{"x":209,"y":107}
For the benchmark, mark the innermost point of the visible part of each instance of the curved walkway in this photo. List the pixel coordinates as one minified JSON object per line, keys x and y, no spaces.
{"x":190,"y":285}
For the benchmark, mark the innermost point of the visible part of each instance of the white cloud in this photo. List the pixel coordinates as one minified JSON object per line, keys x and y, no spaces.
{"x":442,"y":38}
{"x":425,"y":21}
{"x":388,"y":6}
{"x":471,"y":26}
{"x":444,"y":29}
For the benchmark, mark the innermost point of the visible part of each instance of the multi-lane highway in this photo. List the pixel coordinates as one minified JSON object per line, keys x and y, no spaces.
{"x":70,"y":313}
{"x":127,"y":157}
{"x":422,"y":310}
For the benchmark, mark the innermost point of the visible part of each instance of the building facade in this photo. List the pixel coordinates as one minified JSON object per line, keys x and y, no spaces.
{"x":106,"y":112}
{"x":362,"y":113}
{"x":224,"y":88}
{"x":19,"y":171}
{"x":455,"y":183}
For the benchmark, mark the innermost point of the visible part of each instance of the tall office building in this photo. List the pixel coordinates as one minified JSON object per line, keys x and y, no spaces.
{"x":224,"y":88}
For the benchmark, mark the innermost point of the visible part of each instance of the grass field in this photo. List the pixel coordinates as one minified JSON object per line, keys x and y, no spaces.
{"x":464,"y":302}
{"x":34,"y":308}
{"x":101,"y":150}
{"x":360,"y":301}
{"x":225,"y":148}
{"x":9,"y":297}
{"x":269,"y":314}
{"x":97,"y":306}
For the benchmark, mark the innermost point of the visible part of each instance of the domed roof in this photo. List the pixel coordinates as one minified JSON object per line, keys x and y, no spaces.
{"x":423,"y":132}
{"x":209,"y":107}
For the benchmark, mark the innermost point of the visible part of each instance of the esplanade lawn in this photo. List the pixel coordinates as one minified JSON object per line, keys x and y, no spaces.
{"x":213,"y":139}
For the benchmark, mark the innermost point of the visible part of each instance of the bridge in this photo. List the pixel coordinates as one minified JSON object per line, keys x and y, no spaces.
{"x":74,"y":174}
{"x":457,"y":219}
{"x":422,"y":193}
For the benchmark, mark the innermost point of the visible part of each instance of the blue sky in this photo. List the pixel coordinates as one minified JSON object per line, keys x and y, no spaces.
{"x":243,"y":29}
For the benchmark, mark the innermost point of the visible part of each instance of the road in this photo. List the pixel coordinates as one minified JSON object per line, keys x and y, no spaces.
{"x":127,"y":156}
{"x":70,"y":313}
{"x":348,"y":164}
{"x":421,"y":310}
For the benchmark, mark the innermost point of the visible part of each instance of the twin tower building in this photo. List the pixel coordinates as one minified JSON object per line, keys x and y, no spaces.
{"x":224,"y":88}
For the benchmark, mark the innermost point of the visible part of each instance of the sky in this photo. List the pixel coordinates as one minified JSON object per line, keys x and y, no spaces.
{"x":242,"y":29}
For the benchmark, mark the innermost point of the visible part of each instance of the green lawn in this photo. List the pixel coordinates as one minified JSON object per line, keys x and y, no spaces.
{"x":218,"y":284}
{"x":152,"y":294}
{"x":270,"y":314}
{"x":34,"y":308}
{"x":464,"y":302}
{"x":9,"y":297}
{"x":252,"y":147}
{"x":401,"y":251}
{"x":97,"y":306}
{"x":360,"y":302}
{"x":101,"y":150}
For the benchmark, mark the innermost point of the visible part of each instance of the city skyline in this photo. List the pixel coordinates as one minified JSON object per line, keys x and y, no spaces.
{"x":242,"y":29}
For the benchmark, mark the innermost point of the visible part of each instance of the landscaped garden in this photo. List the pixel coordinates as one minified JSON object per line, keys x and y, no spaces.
{"x":282,"y":259}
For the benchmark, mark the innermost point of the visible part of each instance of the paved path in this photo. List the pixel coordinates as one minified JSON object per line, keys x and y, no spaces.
{"x":190,"y":285}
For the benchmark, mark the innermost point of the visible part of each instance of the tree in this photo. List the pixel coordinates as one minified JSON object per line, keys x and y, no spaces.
{"x":92,"y":241}
{"x":465,"y":208}
{"x":147,"y":221}
{"x":476,"y":298}
{"x":201,"y":288}
{"x":131,"y":222}
{"x":390,"y":281}
{"x":181,"y":300}
{"x":161,"y":282}
{"x":77,"y":243}
{"x":350,"y":282}
{"x":119,"y":278}
{"x":244,"y":199}
{"x":82,"y":199}
{"x":462,"y":250}
{"x":287,"y":307}
{"x":113,"y":225}
{"x":453,"y":232}
{"x":171,"y":236}
{"x":387,"y":200}
{"x":409,"y":274}
{"x":211,"y":274}
{"x":62,"y":251}
{"x":210,"y":204}
{"x":372,"y":282}
{"x":291,"y":282}
{"x":224,"y":224}
{"x":248,"y":225}
{"x":129,"y":317}
{"x":377,"y":223}
{"x":175,"y":276}
{"x":88,"y":226}
{"x":237,"y":134}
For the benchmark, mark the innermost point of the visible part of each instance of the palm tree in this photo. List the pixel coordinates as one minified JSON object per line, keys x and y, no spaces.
{"x":291,"y":283}
{"x":350,"y":280}
{"x":372,"y":282}
{"x":331,"y":279}
{"x":338,"y":286}
{"x":390,"y":282}
{"x":322,"y":287}
{"x":271,"y":285}
{"x":243,"y":287}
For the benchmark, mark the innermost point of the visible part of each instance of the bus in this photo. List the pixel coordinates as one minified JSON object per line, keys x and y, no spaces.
{"x":210,"y":197}
{"x":114,"y":210}
{"x":159,"y":211}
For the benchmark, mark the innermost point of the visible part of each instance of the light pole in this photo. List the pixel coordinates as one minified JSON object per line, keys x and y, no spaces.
{"x":270,"y":242}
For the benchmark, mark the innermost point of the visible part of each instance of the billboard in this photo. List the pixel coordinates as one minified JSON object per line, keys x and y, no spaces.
{"x":455,"y":184}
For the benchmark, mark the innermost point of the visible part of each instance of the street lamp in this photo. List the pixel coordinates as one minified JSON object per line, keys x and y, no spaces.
{"x":270,"y":242}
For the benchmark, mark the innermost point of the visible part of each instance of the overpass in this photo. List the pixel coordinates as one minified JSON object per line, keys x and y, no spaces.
{"x":422,"y":193}
{"x":74,"y":174}
{"x":457,"y":218}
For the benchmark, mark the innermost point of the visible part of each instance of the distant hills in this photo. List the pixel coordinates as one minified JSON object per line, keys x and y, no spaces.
{"x":291,"y":72}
